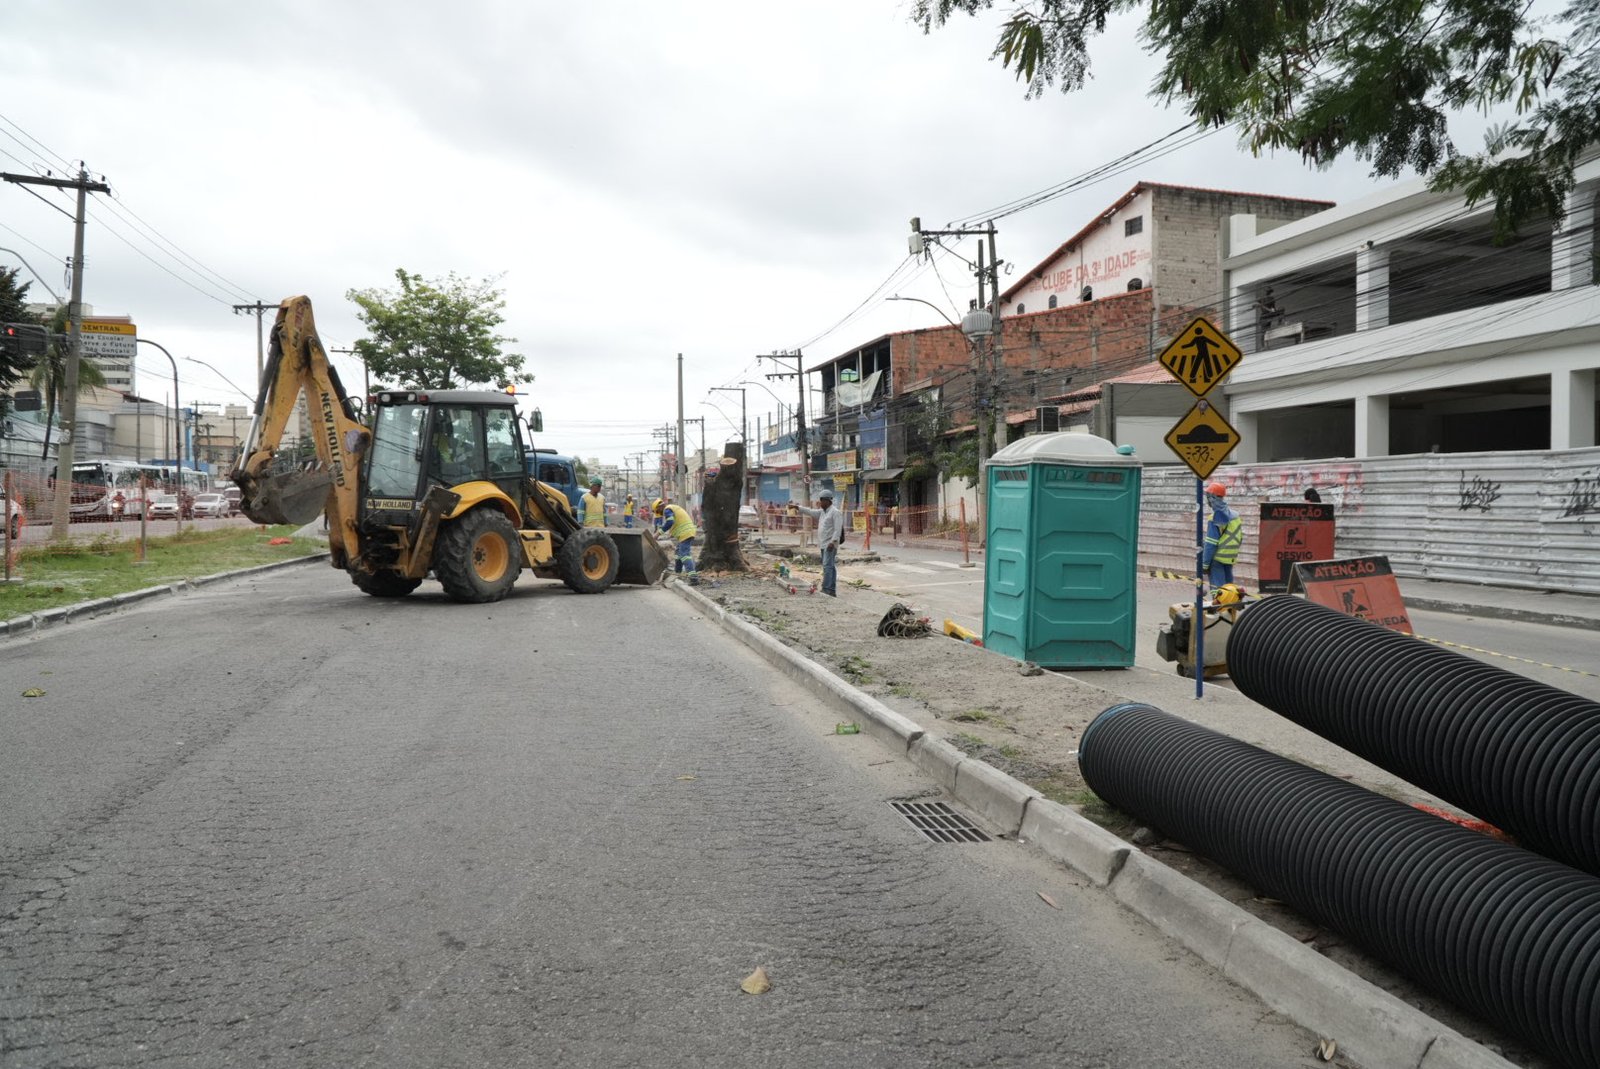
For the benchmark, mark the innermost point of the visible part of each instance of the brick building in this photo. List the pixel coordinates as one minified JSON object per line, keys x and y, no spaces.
{"x":1102,"y":304}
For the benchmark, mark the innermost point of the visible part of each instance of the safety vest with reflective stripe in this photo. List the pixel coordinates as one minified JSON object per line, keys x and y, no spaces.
{"x":1224,"y":537}
{"x":682,"y":523}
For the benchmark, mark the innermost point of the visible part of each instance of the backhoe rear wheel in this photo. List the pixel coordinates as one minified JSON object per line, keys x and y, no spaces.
{"x":384,"y":584}
{"x":588,"y":561}
{"x":476,"y":557}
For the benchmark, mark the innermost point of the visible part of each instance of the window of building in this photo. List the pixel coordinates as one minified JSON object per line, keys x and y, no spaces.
{"x":1133,"y":226}
{"x":1052,"y":300}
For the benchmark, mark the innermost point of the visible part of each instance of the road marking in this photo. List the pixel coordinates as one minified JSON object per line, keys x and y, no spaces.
{"x":1510,"y":657}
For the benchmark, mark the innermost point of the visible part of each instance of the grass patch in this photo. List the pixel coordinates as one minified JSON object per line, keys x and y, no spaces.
{"x":1101,"y":812}
{"x":67,"y":573}
{"x":856,"y":670}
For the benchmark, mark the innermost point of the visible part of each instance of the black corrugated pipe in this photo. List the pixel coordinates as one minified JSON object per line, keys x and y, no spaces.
{"x":1522,"y":755}
{"x":1502,"y":932}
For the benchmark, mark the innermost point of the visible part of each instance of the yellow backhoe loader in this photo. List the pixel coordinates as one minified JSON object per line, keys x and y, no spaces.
{"x":432,"y":481}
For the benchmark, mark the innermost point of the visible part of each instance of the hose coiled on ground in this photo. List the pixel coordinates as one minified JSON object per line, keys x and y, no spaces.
{"x":1522,"y":755}
{"x":1502,"y":932}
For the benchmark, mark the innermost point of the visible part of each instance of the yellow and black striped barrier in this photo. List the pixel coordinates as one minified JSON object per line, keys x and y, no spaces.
{"x":1162,"y":573}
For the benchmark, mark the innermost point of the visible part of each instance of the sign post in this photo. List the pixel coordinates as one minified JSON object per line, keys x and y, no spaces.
{"x":1200,"y":357}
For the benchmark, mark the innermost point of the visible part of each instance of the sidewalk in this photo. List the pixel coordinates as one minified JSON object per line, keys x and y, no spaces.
{"x":1554,"y":607}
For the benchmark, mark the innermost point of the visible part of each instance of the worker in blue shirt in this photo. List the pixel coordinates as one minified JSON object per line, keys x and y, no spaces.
{"x":1224,"y":537}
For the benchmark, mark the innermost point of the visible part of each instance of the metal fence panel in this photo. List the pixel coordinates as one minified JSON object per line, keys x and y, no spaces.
{"x":1516,"y":519}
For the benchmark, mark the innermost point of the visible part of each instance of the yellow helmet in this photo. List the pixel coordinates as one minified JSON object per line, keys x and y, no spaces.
{"x":655,"y":506}
{"x":1229,"y":594}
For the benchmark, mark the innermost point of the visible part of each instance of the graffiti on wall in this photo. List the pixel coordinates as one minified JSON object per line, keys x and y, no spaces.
{"x":1337,"y":483}
{"x":1583,"y":498}
{"x":1479,"y":493}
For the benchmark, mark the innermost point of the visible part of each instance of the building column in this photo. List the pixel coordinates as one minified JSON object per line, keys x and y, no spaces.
{"x":1572,"y":251}
{"x":1372,"y":288}
{"x":1372,"y":426}
{"x":1248,"y":451}
{"x":1572,"y":397}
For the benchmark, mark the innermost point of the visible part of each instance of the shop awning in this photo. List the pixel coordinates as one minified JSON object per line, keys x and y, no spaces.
{"x":882,"y":475}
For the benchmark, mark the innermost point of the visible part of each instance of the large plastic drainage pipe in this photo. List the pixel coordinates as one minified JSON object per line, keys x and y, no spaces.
{"x":1504,"y":933}
{"x":1522,"y":755}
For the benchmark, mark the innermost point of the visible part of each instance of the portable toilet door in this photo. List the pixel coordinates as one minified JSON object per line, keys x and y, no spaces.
{"x":1061,"y":557}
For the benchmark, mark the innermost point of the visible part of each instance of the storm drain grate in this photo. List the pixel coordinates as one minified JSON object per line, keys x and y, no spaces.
{"x":939,"y":822}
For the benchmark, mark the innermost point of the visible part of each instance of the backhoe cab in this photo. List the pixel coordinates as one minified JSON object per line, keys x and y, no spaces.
{"x":433,"y":481}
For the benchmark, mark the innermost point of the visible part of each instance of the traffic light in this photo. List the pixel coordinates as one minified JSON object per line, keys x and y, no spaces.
{"x":26,"y":338}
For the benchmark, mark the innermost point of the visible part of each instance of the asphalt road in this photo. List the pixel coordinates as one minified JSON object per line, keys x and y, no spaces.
{"x":940,"y":587}
{"x":277,"y":822}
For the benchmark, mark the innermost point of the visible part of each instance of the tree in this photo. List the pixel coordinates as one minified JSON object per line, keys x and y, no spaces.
{"x":1374,"y":77}
{"x":49,"y":375}
{"x":719,"y":513}
{"x":13,"y":309}
{"x":436,"y":335}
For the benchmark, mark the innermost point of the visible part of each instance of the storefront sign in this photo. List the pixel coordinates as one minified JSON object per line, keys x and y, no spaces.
{"x":844,"y":460}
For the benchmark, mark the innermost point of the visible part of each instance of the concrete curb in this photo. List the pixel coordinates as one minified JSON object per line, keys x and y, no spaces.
{"x":1503,"y":612}
{"x":1373,"y":1027}
{"x":87,"y":610}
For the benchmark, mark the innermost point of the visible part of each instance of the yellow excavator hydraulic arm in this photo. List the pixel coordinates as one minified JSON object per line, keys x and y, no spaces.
{"x":275,"y":491}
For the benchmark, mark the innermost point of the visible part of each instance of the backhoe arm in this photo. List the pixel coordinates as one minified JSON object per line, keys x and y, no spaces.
{"x":270,"y":491}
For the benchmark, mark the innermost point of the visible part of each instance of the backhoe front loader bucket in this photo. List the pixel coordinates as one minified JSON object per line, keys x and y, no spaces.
{"x":642,"y":561}
{"x":286,"y":497}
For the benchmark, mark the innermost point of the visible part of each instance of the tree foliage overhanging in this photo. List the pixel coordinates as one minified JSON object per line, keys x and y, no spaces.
{"x":13,"y":309}
{"x":1378,"y":78}
{"x":435,"y":335}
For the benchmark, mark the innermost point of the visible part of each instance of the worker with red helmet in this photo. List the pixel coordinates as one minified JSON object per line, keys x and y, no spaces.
{"x":1224,"y":537}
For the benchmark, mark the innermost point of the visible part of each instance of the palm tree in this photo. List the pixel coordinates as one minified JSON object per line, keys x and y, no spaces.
{"x":50,"y":373}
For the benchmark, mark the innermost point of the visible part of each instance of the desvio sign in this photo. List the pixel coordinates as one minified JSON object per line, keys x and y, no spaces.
{"x":1363,"y":587}
{"x":1292,"y":532}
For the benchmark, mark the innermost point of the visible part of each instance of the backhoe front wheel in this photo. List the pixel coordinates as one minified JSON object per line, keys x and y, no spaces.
{"x":588,"y":561}
{"x":476,"y":556}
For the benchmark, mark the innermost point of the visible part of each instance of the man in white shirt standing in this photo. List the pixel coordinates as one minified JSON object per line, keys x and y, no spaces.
{"x":830,"y":531}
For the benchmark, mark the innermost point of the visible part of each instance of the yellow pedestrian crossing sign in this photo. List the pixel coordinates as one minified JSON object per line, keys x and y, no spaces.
{"x":1202,"y":439}
{"x":1200,"y":356}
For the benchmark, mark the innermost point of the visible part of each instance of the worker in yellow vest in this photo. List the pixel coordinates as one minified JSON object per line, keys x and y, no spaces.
{"x":679,"y":525}
{"x":1224,"y":537}
{"x":593,"y":506}
{"x":627,"y":511}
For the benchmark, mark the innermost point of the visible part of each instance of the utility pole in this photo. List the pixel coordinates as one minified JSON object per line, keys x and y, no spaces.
{"x":69,"y":403}
{"x":259,"y":309}
{"x":980,"y":323}
{"x":681,"y":474}
{"x":799,"y":374}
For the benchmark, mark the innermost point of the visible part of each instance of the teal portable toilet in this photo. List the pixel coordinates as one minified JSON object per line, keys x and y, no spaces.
{"x":1061,"y":558}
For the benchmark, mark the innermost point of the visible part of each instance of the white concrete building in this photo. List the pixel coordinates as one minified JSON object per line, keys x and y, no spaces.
{"x":1394,"y":325}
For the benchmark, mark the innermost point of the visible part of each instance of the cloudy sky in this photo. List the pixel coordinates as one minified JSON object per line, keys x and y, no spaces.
{"x":717,"y":178}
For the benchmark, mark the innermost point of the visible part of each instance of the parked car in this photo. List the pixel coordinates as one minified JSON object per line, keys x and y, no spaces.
{"x":212,"y":505}
{"x":748,"y":518}
{"x":162,"y":507}
{"x":13,"y":515}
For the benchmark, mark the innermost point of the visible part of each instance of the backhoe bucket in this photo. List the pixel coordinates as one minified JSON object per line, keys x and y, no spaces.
{"x":289,"y":497}
{"x":641,"y":560}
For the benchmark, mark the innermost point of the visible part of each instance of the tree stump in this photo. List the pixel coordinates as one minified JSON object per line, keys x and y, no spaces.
{"x":719,"y":514}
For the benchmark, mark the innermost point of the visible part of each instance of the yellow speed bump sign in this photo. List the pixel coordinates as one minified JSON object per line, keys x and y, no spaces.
{"x":1200,"y":356}
{"x":1202,"y":439}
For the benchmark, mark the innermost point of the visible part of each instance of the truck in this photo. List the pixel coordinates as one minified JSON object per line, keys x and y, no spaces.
{"x":419,"y":482}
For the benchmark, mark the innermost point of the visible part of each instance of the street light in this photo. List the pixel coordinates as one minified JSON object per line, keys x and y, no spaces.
{"x":930,"y":304}
{"x":247,"y":396}
{"x":177,"y":418}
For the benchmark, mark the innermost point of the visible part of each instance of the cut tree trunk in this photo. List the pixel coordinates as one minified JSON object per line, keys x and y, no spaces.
{"x":719,"y":514}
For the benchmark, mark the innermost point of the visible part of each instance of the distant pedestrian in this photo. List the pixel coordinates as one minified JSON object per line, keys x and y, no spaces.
{"x":1313,"y":496}
{"x":830,"y":533}
{"x":628,"y":510}
{"x":593,"y":506}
